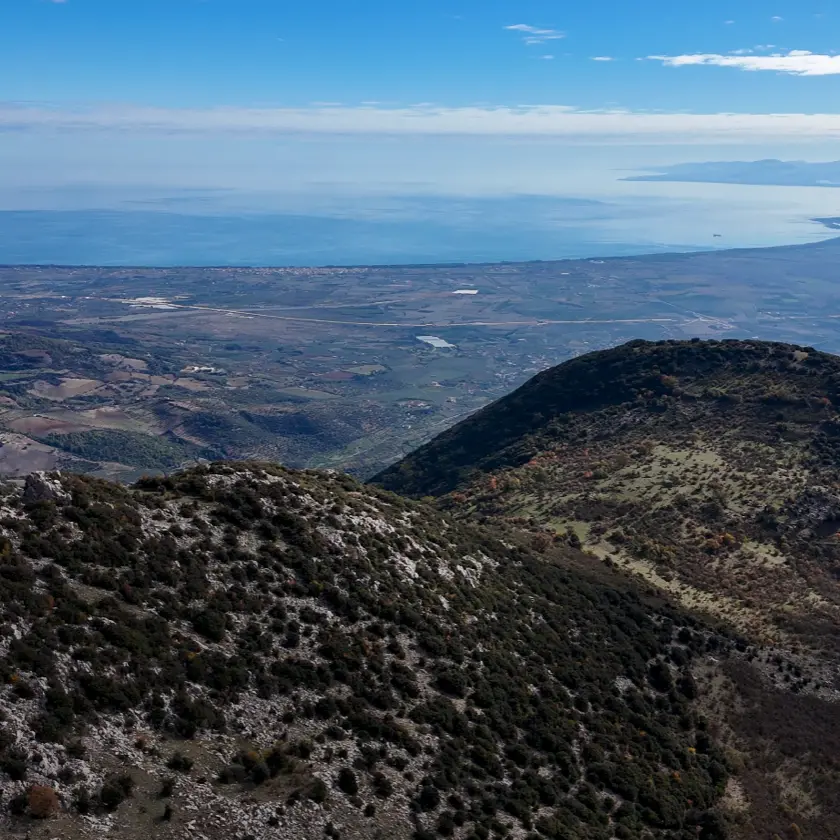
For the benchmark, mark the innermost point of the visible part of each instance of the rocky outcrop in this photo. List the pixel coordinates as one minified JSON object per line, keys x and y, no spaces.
{"x":44,"y":487}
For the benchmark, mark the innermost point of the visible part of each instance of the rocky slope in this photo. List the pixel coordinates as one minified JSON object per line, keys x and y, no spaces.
{"x":241,"y":651}
{"x":712,"y":471}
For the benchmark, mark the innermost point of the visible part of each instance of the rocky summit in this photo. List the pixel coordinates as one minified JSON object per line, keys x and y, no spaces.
{"x":243,"y":651}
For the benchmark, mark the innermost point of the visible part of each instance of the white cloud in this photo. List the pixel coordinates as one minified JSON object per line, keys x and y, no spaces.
{"x":332,"y":119}
{"x":602,"y":58}
{"x":547,"y":57}
{"x":794,"y":62}
{"x":777,"y":19}
{"x":535,"y":35}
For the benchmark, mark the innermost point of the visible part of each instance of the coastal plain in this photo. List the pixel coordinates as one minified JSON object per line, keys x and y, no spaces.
{"x":123,"y":371}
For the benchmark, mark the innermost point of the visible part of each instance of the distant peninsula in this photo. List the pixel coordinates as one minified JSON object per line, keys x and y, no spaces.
{"x":832,"y":222}
{"x":780,"y":173}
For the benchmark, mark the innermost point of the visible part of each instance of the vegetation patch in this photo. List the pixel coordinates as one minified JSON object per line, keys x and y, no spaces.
{"x":709,"y":470}
{"x":364,"y":650}
{"x":131,"y":448}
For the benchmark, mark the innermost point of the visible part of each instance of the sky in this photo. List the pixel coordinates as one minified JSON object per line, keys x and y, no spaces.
{"x":466,"y":96}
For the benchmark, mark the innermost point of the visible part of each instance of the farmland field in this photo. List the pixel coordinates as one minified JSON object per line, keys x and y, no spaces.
{"x":331,"y":366}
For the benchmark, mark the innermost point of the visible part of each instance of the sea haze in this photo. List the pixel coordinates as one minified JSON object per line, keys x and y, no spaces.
{"x":308,"y":200}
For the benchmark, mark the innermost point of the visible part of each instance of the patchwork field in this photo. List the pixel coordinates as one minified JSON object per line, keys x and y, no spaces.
{"x":336,"y":366}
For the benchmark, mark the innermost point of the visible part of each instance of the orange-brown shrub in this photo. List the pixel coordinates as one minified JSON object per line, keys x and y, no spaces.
{"x":43,"y":802}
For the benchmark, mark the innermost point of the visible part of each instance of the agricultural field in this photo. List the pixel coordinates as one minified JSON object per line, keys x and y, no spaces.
{"x":124,"y":371}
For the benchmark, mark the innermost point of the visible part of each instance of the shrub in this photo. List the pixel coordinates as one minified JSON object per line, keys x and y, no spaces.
{"x":317,"y":791}
{"x":382,"y":785}
{"x":81,"y":800}
{"x":429,"y":798}
{"x":452,"y":681}
{"x":660,"y":677}
{"x":446,"y":825}
{"x":180,"y":762}
{"x":347,"y":781}
{"x":14,"y":765}
{"x":115,"y":791}
{"x":211,"y":624}
{"x":232,"y":773}
{"x":43,"y":802}
{"x":260,"y":773}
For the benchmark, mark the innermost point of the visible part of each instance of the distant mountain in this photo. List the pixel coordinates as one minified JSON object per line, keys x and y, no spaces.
{"x":710,"y":470}
{"x":243,"y":651}
{"x":783,"y":173}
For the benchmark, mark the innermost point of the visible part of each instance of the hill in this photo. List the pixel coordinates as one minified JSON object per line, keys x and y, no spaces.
{"x":579,"y":398}
{"x":712,"y":467}
{"x":244,"y":651}
{"x":709,"y":470}
{"x":709,"y":467}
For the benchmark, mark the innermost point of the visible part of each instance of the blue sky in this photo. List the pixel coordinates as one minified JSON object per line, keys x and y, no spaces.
{"x":215,"y":92}
{"x":453,"y":52}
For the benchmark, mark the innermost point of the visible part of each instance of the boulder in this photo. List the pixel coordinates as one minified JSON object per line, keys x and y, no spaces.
{"x":43,"y":487}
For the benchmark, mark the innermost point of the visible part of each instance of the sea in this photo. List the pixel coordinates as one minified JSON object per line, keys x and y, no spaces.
{"x":610,"y":217}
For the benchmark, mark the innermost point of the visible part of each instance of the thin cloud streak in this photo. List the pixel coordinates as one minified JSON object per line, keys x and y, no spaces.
{"x":534,"y":35}
{"x":794,"y":62}
{"x":534,"y":120}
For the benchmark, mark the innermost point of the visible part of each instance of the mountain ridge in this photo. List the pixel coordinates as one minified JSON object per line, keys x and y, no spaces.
{"x":616,"y":621}
{"x":242,"y":650}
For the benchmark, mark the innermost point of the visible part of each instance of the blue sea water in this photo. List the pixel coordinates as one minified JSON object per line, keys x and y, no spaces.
{"x":165,"y":228}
